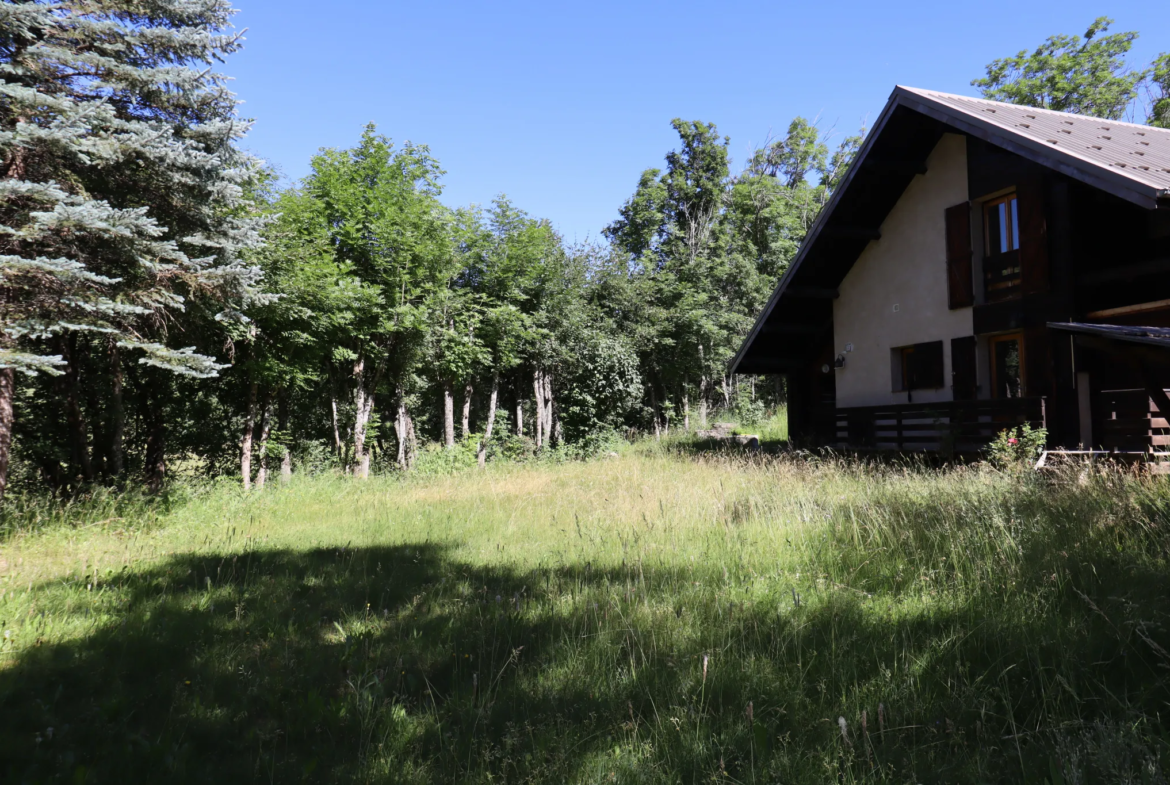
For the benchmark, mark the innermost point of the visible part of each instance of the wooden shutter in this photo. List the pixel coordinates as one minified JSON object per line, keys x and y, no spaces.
{"x":960,"y":285}
{"x":964,"y":375}
{"x":1033,"y":236}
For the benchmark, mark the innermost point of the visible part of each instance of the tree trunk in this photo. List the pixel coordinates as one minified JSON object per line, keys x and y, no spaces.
{"x":552,"y":432}
{"x":467,"y":410}
{"x":726,"y":393}
{"x":411,"y":442}
{"x":538,"y":395}
{"x":246,"y":438}
{"x":156,"y":447}
{"x":400,"y":431}
{"x":336,"y":429}
{"x":493,"y":399}
{"x":448,"y":416}
{"x":363,"y":404}
{"x":519,"y":411}
{"x":117,"y":413}
{"x":686,"y":396}
{"x":265,"y":431}
{"x":78,"y":430}
{"x":654,"y":411}
{"x":286,"y":453}
{"x":404,"y":429}
{"x":704,"y":389}
{"x":7,"y":393}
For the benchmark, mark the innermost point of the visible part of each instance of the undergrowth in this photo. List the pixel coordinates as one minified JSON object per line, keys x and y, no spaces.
{"x":660,"y":616}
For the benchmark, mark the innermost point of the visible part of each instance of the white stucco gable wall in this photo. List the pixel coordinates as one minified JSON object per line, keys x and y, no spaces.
{"x":907,"y":268}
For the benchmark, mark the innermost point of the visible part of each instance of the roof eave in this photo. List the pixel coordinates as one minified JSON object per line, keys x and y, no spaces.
{"x":818,"y":225}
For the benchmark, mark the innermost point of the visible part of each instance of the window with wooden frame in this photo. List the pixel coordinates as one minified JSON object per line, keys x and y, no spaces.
{"x":1007,"y":365}
{"x":917,"y":367}
{"x":1001,"y":247}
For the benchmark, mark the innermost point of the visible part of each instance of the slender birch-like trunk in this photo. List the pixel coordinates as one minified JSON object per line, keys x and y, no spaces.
{"x":246,"y":438}
{"x":7,"y":393}
{"x":448,"y":416}
{"x":493,"y":399}
{"x":404,"y":429}
{"x":551,"y":431}
{"x":538,"y":394}
{"x":78,"y":429}
{"x":286,"y":453}
{"x":686,"y":396}
{"x":704,"y":390}
{"x":262,"y":447}
{"x":117,"y":413}
{"x":156,"y":446}
{"x":400,"y":431}
{"x":654,"y":411}
{"x":411,"y":442}
{"x":467,"y":410}
{"x":519,"y":412}
{"x":336,"y":428}
{"x":363,"y":404}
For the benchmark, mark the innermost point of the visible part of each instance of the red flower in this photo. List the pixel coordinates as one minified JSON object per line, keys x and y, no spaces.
{"x":1013,"y":441}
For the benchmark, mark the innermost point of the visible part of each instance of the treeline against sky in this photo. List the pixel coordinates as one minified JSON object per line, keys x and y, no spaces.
{"x":168,"y":304}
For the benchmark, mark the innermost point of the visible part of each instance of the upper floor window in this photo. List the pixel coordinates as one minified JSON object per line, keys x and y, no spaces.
{"x":1001,"y":255}
{"x":1002,"y":225}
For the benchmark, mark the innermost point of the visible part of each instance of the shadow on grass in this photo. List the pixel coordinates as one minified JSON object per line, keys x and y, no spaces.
{"x":401,"y":664}
{"x":694,"y":446}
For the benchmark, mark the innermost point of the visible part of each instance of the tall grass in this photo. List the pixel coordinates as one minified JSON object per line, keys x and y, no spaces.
{"x":661,"y":616}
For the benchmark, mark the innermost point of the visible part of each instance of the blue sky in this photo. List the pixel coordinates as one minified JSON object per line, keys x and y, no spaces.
{"x":562,"y":105}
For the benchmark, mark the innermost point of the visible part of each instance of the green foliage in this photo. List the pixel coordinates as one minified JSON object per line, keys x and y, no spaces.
{"x":123,"y":195}
{"x":1017,"y":449}
{"x":602,"y":384}
{"x":1069,"y":74}
{"x":1160,"y":103}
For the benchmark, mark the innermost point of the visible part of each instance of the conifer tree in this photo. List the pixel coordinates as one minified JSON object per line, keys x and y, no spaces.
{"x":121,"y":199}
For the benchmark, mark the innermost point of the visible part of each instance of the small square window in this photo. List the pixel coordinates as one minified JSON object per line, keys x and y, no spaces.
{"x":917,"y":367}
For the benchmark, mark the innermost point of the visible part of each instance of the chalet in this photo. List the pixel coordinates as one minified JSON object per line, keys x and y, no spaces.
{"x":982,"y":264}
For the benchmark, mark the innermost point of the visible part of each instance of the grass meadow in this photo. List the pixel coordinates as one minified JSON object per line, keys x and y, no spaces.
{"x":667,"y":615}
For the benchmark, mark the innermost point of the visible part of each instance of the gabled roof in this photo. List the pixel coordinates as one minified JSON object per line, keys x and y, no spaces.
{"x":1131,"y":157}
{"x":1129,"y":161}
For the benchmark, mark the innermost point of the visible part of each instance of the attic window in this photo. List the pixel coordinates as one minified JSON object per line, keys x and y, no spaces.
{"x":1002,"y":223}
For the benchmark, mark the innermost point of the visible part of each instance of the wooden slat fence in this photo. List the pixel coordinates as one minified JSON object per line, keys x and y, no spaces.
{"x":1130,"y":420}
{"x":948,"y":427}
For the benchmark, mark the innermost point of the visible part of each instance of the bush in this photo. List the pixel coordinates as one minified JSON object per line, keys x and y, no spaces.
{"x":1017,"y":448}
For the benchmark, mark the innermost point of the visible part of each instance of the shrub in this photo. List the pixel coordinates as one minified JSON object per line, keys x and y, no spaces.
{"x":1017,"y":448}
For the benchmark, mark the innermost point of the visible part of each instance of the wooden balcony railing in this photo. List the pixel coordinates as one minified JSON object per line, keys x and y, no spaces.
{"x":947,"y":427}
{"x":1001,"y":277}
